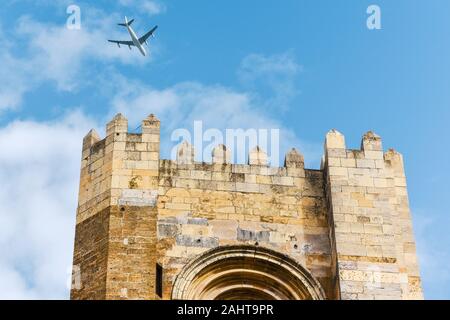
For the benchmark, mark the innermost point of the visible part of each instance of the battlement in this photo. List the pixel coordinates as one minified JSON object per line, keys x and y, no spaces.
{"x":119,"y":138}
{"x":335,"y":147}
{"x":369,"y":156}
{"x":123,"y":161}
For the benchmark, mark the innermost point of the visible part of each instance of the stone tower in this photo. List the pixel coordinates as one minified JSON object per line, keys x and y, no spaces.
{"x":149,"y":228}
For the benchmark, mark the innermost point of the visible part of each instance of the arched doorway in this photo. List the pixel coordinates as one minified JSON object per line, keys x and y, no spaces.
{"x":245,"y":273}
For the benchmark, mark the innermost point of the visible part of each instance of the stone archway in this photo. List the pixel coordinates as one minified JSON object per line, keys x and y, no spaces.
{"x":245,"y":273}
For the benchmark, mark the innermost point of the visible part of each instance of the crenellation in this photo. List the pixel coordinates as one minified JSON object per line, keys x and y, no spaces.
{"x":334,"y":141}
{"x":118,"y":125}
{"x":258,"y":157}
{"x":88,"y":142}
{"x":371,"y":142}
{"x":348,"y":224}
{"x":294,"y":159}
{"x":220,"y":155}
{"x":185,"y":153}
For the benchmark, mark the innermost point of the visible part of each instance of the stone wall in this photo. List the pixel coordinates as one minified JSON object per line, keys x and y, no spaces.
{"x":203,"y":206}
{"x":132,"y":253}
{"x":369,"y":209}
{"x":90,"y":257}
{"x":347,"y":224}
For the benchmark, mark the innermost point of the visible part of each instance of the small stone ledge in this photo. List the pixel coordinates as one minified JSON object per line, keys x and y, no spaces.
{"x":138,"y":198}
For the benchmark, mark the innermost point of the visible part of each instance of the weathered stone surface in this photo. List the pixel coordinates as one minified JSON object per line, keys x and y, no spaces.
{"x":167,"y":230}
{"x":294,"y":159}
{"x":204,"y":242}
{"x":247,"y":235}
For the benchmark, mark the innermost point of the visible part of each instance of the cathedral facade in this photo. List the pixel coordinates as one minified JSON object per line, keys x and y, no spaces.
{"x":149,"y":228}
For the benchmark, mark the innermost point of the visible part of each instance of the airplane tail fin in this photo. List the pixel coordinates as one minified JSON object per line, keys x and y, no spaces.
{"x":127,"y":23}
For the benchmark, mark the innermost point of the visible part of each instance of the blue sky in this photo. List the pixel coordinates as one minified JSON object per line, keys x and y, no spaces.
{"x":302,"y":66}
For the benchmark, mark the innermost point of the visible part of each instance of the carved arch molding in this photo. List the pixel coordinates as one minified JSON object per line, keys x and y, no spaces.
{"x":245,"y":273}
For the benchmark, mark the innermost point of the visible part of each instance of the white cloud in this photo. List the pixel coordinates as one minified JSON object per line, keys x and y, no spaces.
{"x":39,"y":170}
{"x":432,"y":250}
{"x":149,"y":7}
{"x":14,"y":76}
{"x":274,"y":74}
{"x":50,"y":52}
{"x":153,"y":7}
{"x":215,"y":105}
{"x":12,"y":89}
{"x":59,"y":53}
{"x":221,"y":107}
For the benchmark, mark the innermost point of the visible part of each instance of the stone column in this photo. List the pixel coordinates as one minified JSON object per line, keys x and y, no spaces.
{"x":133,"y":216}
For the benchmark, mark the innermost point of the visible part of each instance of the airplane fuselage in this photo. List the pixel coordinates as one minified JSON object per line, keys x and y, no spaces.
{"x":135,"y":40}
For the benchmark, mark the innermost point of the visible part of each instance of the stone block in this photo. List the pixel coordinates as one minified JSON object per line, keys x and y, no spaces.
{"x":249,"y":235}
{"x":167,"y":230}
{"x":139,"y":198}
{"x":365,"y":163}
{"x":191,"y":241}
{"x":348,"y":163}
{"x":338,"y":171}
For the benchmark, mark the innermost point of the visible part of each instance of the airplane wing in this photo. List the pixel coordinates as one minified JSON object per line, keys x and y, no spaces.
{"x":125,"y":43}
{"x":147,"y":35}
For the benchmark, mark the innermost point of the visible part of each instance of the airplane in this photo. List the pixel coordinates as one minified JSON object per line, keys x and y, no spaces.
{"x":136,"y":42}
